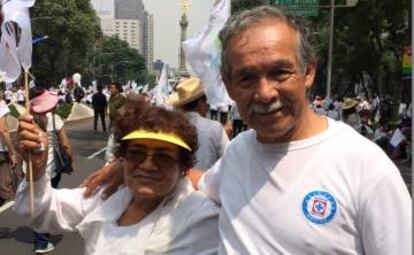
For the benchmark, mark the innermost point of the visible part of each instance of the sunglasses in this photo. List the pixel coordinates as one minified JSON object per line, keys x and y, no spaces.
{"x":160,"y":158}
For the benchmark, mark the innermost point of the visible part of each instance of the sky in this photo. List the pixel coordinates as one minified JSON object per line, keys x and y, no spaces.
{"x":167,"y":31}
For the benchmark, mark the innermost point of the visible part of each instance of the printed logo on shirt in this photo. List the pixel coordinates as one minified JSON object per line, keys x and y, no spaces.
{"x":319,"y":206}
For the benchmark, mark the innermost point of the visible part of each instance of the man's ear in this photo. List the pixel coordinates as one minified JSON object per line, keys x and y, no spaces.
{"x":310,"y":73}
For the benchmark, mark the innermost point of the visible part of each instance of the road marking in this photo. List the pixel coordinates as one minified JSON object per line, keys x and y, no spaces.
{"x":97,"y":153}
{"x":6,"y":206}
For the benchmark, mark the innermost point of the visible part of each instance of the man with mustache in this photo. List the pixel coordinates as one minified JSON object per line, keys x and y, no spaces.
{"x":295,"y":183}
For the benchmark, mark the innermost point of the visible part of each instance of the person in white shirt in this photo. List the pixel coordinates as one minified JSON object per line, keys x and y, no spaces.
{"x":296,"y":182}
{"x":349,"y":112}
{"x":319,"y":109}
{"x":20,"y":96}
{"x":157,"y":211}
{"x":332,"y":112}
{"x":213,"y":112}
{"x":213,"y":140}
{"x":237,"y":122}
{"x":8,"y":96}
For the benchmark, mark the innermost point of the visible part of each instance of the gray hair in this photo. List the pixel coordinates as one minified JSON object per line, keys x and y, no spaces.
{"x":240,"y":22}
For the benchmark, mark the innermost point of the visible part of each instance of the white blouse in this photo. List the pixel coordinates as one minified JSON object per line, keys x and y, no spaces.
{"x":186,"y":222}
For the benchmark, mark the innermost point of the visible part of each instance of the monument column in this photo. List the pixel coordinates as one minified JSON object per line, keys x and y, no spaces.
{"x":183,"y":24}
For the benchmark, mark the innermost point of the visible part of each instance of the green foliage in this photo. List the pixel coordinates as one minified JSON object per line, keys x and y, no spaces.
{"x":72,"y":27}
{"x":13,"y":111}
{"x":245,"y":4}
{"x":113,"y":57}
{"x":65,"y":110}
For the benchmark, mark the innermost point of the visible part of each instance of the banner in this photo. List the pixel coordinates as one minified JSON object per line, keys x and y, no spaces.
{"x":161,"y":90}
{"x":203,"y":53}
{"x":16,"y":24}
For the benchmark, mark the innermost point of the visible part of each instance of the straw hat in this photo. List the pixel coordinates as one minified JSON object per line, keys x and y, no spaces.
{"x":349,"y":103}
{"x":187,"y":91}
{"x":44,"y":102}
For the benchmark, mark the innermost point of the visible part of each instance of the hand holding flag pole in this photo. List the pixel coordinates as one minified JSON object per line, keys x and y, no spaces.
{"x":29,"y":154}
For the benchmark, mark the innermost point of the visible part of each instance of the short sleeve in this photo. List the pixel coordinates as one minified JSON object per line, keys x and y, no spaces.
{"x":385,"y":216}
{"x":210,"y":182}
{"x":58,"y":122}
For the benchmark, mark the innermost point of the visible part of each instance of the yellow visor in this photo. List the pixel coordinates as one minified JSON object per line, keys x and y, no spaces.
{"x":171,"y":138}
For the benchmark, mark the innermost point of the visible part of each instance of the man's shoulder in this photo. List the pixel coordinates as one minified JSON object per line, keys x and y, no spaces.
{"x":348,"y":143}
{"x":243,"y":142}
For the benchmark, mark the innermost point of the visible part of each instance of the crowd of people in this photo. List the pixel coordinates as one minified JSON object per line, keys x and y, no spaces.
{"x":372,"y":119}
{"x":177,"y":182}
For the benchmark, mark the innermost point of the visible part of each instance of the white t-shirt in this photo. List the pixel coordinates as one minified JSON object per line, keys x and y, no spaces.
{"x":50,"y":157}
{"x":333,"y":114}
{"x":212,"y":140}
{"x":20,"y":95}
{"x":7,"y":94}
{"x":334,"y":193}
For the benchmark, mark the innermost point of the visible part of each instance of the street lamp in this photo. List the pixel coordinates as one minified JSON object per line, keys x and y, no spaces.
{"x":114,"y":65}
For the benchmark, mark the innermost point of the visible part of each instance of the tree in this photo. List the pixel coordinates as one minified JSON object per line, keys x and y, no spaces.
{"x":238,"y":5}
{"x":72,"y":27}
{"x":115,"y":59}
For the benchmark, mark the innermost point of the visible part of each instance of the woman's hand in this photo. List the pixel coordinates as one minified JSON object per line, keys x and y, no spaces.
{"x":33,"y":139}
{"x":110,"y":175}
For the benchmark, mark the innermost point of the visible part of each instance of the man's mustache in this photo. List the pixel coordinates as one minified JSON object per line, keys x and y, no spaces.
{"x":261,"y":108}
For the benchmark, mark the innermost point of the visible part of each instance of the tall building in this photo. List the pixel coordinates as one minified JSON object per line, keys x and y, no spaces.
{"x":128,"y":20}
{"x":130,"y":31}
{"x":148,"y":40}
{"x":129,"y":9}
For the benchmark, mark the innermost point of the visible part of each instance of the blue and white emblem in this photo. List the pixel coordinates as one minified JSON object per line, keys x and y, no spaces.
{"x":319,"y":206}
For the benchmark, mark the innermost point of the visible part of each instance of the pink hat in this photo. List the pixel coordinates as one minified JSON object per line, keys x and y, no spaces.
{"x":44,"y":103}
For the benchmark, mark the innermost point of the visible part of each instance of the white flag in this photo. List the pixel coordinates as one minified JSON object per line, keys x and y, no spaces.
{"x":15,"y":53}
{"x":203,"y":53}
{"x":161,"y":90}
{"x":9,"y":63}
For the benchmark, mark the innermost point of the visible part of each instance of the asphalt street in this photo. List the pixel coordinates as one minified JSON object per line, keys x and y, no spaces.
{"x":16,"y":237}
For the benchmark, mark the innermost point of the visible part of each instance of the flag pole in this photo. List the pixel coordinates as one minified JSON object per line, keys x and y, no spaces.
{"x":29,"y":154}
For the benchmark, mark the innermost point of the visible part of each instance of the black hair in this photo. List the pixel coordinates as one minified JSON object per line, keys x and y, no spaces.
{"x":36,"y":91}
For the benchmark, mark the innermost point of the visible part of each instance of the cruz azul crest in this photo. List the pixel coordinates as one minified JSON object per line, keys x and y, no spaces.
{"x":319,"y":207}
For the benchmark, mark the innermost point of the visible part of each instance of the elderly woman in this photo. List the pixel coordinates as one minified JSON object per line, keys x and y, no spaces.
{"x":156,"y":212}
